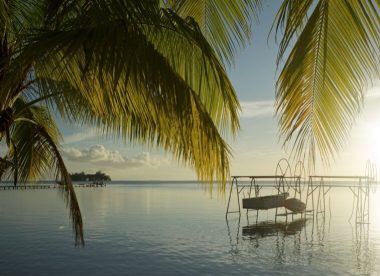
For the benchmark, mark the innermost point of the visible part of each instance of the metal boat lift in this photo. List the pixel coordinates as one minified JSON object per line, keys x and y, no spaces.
{"x":283,"y":181}
{"x":317,"y":189}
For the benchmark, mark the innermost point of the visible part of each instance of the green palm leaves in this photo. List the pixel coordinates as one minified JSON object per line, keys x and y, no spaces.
{"x":320,"y":88}
{"x":154,"y":80}
{"x":225,"y":24}
{"x":131,"y":68}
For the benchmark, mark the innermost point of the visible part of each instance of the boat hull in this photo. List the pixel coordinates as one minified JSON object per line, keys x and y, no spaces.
{"x":295,"y":205}
{"x":265,"y":202}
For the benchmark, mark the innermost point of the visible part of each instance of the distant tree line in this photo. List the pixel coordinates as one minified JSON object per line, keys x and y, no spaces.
{"x":98,"y":176}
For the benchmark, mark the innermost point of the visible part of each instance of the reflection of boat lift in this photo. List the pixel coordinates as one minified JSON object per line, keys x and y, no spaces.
{"x":254,"y":233}
{"x":364,"y":255}
{"x":281,"y":181}
{"x":264,"y":229}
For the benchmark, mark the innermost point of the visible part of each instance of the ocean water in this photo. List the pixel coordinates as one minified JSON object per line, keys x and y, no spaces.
{"x":180,"y":229}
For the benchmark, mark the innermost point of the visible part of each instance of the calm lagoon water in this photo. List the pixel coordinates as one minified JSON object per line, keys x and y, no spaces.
{"x":178,"y":229}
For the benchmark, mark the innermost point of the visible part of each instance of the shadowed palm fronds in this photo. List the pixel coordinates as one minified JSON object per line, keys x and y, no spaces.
{"x":146,"y":71}
{"x":225,"y":24}
{"x":135,"y":76}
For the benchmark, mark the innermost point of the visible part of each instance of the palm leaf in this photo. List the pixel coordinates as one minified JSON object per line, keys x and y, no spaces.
{"x":194,"y":60}
{"x":39,"y":153}
{"x":226,"y":24}
{"x":320,"y":88}
{"x":129,"y":84}
{"x":291,"y":18}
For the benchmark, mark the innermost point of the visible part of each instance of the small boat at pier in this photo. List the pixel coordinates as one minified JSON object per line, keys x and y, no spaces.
{"x":295,"y":205}
{"x":265,"y":202}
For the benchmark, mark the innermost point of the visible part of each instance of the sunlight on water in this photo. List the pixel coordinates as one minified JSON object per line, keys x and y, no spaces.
{"x":178,"y":229}
{"x":375,"y":208}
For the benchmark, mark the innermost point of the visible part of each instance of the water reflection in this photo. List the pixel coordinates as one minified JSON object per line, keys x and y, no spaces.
{"x":301,"y":239}
{"x":264,"y":233}
{"x":316,"y":234}
{"x":280,"y":232}
{"x":365,"y":256}
{"x":264,"y":229}
{"x":234,"y":240}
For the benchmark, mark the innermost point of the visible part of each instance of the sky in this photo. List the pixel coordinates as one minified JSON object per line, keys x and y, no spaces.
{"x":256,"y":149}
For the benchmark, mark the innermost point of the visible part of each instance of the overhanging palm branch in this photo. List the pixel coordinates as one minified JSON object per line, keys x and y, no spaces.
{"x":129,"y":67}
{"x":225,"y":24}
{"x":138,"y":77}
{"x":321,"y":86}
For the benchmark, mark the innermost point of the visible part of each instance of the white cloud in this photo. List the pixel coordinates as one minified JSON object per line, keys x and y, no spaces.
{"x":257,"y":109}
{"x":78,"y":137}
{"x":143,"y":159}
{"x":100,"y":155}
{"x":72,"y":153}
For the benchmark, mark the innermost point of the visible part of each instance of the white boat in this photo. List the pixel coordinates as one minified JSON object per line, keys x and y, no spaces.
{"x":265,"y":202}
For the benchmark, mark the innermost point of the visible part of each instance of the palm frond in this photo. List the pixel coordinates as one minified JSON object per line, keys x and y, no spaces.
{"x":192,"y":57}
{"x":125,"y":75}
{"x":5,"y":166}
{"x":321,"y":87}
{"x":290,"y":19}
{"x":39,"y":153}
{"x":4,"y":18}
{"x":169,"y":115}
{"x":226,"y":24}
{"x":68,"y":192}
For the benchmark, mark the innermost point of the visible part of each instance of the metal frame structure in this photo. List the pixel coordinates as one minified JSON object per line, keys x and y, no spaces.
{"x":284,"y":182}
{"x":360,"y":186}
{"x":282,"y":179}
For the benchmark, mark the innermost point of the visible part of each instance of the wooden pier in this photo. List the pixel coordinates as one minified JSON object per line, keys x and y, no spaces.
{"x":50,"y":186}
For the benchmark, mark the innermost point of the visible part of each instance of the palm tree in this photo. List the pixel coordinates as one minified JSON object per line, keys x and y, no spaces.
{"x":134,"y":69}
{"x":334,"y":54}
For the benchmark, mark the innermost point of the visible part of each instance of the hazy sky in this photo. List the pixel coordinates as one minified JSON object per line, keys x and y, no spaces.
{"x":257,"y":148}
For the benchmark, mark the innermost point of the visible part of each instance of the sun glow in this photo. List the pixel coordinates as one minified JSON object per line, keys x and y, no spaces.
{"x":375,"y":144}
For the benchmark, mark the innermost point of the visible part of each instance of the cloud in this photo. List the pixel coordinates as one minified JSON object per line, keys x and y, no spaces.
{"x":143,"y":159}
{"x":78,"y":137}
{"x":100,"y":155}
{"x":260,"y":109}
{"x":257,"y":109}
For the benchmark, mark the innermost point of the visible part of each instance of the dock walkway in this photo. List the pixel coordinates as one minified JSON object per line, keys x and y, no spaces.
{"x":49,"y":186}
